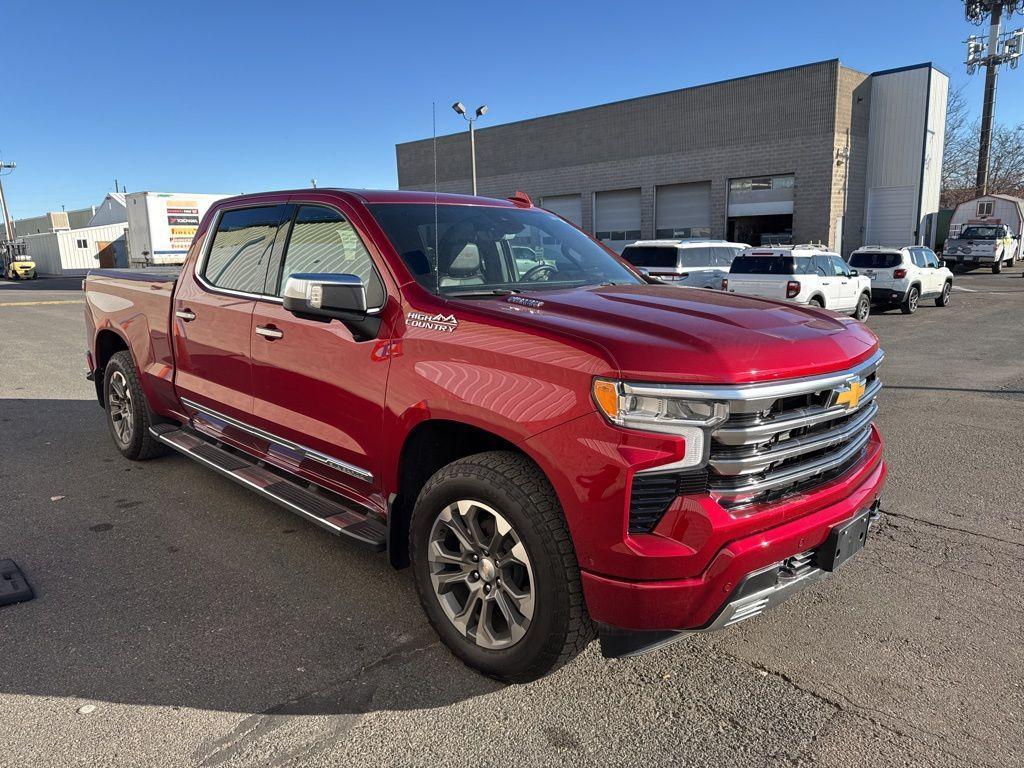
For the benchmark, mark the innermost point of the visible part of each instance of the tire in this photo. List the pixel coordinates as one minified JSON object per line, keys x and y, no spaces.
{"x":816,"y":302}
{"x":947,"y":291}
{"x":909,"y":304}
{"x":863,"y":308}
{"x":127,"y":415}
{"x":997,"y":268}
{"x":471,"y":494}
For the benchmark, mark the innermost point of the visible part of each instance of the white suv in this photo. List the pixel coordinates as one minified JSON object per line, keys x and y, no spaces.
{"x":805,"y":275}
{"x":696,"y":263}
{"x":904,"y":276}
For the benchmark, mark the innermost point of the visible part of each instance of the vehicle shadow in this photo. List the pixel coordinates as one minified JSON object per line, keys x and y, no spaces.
{"x":161,"y":583}
{"x":43,"y":284}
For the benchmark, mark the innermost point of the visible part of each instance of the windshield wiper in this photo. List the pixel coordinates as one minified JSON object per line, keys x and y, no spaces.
{"x":468,"y":294}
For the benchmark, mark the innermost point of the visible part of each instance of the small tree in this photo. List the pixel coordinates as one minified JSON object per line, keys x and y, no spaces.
{"x":960,"y":157}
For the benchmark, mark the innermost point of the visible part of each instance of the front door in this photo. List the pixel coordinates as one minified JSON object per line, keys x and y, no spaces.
{"x":846,"y":286}
{"x":213,"y":308}
{"x":315,"y":384}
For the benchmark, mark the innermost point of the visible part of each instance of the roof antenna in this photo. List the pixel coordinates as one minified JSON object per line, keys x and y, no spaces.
{"x":437,"y":257}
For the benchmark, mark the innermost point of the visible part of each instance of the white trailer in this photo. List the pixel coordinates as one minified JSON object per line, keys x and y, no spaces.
{"x":161,"y":225}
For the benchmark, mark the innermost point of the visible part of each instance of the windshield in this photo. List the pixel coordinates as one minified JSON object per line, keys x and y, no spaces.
{"x":765,"y":265}
{"x":653,"y":256}
{"x":875,"y":260}
{"x":980,"y":233}
{"x":485,"y":250}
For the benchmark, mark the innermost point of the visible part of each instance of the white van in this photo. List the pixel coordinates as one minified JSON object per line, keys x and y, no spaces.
{"x":694,"y":263}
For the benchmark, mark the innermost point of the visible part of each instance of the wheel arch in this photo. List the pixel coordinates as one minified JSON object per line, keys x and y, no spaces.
{"x":108,"y":343}
{"x":429,"y":446}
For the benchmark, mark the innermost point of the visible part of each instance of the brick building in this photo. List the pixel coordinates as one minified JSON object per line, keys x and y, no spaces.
{"x":818,"y":152}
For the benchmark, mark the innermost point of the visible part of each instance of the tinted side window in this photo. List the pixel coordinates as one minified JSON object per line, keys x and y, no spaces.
{"x":322,"y":240}
{"x":240,"y":250}
{"x":724,"y":256}
{"x":840,"y":267}
{"x":695,"y":257}
{"x":930,"y":258}
{"x":822,"y":265}
{"x":917,"y":257}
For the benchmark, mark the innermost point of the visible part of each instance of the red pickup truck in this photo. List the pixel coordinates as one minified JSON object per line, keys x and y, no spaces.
{"x":558,"y":445}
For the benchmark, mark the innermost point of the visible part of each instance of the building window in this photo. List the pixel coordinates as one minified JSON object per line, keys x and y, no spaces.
{"x":760,"y":183}
{"x":681,"y":233}
{"x":985,"y":208}
{"x":82,"y":243}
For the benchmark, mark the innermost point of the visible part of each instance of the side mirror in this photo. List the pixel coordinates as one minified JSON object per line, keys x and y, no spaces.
{"x":324,"y":295}
{"x":942,"y":263}
{"x":854,"y":273}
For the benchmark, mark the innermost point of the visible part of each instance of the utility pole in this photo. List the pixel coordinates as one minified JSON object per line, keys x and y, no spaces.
{"x":1000,"y":49}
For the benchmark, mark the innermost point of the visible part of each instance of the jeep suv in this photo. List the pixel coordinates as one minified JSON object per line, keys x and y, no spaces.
{"x":904,"y":276}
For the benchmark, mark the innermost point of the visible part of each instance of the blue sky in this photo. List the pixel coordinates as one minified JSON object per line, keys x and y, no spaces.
{"x":239,"y":97}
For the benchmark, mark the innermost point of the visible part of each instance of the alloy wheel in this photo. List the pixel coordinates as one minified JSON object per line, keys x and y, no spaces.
{"x":481,"y":574}
{"x":119,"y":400}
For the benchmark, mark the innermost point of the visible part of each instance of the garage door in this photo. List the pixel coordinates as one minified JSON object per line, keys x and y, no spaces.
{"x":683,"y":210}
{"x":891,"y":216}
{"x":567,"y":206}
{"x":617,"y":217}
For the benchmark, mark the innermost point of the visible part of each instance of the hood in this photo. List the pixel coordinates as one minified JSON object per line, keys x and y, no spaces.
{"x":665,"y":333}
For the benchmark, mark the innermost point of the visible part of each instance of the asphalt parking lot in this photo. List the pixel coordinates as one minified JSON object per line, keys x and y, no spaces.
{"x":200,"y":625}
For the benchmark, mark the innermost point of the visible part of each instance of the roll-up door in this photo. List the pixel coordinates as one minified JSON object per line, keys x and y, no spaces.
{"x":617,"y":217}
{"x":683,"y":210}
{"x":567,"y":206}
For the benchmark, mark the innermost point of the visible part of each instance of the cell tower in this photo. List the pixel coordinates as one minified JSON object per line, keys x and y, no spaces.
{"x":1000,"y":48}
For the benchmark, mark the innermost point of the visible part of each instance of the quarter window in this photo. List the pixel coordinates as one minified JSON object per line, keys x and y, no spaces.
{"x":323,"y":240}
{"x":240,"y":250}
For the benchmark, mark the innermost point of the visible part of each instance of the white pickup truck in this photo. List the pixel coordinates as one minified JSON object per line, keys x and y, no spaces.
{"x":989,"y":245}
{"x":804,"y":275}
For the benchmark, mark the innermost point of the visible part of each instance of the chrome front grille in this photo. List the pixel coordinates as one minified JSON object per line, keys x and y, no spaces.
{"x":786,"y":437}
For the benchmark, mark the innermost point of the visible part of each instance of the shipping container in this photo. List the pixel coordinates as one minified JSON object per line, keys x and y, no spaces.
{"x":161,"y":225}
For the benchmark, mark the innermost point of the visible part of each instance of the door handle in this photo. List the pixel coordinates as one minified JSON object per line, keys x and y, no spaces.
{"x":825,"y":282}
{"x":269,"y":332}
{"x":185,"y":314}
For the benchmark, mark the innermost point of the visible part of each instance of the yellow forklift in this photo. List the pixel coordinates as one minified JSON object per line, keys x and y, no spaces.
{"x":17,"y":265}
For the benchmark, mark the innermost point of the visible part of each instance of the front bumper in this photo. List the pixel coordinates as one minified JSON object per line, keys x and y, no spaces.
{"x":758,"y":592}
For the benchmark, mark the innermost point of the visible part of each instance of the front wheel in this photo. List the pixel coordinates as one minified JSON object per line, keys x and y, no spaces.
{"x":495,"y":567}
{"x":863,"y":308}
{"x":943,"y":300}
{"x":127,"y":415}
{"x":997,"y":267}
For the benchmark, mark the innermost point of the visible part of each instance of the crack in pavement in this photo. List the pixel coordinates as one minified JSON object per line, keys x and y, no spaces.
{"x":846,"y":706}
{"x":923,"y":521}
{"x":250,"y":729}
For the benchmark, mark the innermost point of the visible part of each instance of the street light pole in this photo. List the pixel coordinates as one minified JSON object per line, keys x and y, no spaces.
{"x":480,"y":112}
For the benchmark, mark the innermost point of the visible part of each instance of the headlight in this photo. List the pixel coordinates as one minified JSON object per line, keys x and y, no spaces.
{"x":643,"y":407}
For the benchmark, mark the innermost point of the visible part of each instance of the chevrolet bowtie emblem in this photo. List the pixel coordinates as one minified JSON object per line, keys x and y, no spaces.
{"x":851,"y":395}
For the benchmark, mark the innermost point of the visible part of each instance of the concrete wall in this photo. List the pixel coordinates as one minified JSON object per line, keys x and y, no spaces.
{"x":775,"y":123}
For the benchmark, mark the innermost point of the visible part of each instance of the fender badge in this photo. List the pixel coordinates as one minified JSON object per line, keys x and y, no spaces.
{"x":438,"y":322}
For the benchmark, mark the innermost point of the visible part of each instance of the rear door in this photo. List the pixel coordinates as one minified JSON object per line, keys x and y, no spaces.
{"x":213,"y":308}
{"x":315,"y":384}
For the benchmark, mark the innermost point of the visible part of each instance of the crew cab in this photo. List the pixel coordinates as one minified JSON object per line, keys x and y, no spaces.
{"x":985,"y":244}
{"x":696,"y":263}
{"x":559,"y":449}
{"x":804,"y":275}
{"x":904,"y":276}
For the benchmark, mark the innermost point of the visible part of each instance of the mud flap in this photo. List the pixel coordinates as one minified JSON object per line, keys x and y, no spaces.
{"x":14,"y":587}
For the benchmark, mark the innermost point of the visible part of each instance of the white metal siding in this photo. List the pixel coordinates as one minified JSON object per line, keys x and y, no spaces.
{"x":567,"y":206}
{"x":935,"y":141}
{"x":59,"y":254}
{"x":683,"y":206}
{"x":891,"y":216}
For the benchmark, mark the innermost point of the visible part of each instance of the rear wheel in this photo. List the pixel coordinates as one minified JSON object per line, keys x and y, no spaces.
{"x":863,"y":308}
{"x":816,"y":302}
{"x":909,"y":305}
{"x":127,"y":415}
{"x":495,"y":567}
{"x":997,"y":267}
{"x":943,"y":300}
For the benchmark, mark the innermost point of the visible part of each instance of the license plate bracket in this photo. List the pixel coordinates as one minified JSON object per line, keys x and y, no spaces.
{"x":843,"y":542}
